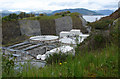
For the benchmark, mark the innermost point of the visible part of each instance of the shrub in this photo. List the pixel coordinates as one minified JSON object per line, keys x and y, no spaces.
{"x":101,"y":25}
{"x":63,"y":15}
{"x":115,"y":32}
{"x":68,"y":12}
{"x":57,"y":14}
{"x":10,"y":17}
{"x":56,"y":58}
{"x":41,"y":14}
{"x":99,"y":38}
{"x":7,"y":64}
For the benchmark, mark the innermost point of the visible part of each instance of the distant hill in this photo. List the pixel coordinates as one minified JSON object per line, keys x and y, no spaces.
{"x":104,"y":12}
{"x":49,"y":12}
{"x":7,"y":12}
{"x":79,"y":10}
{"x":114,"y":15}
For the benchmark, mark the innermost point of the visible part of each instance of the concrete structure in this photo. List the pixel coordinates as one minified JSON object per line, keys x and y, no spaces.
{"x":64,"y":34}
{"x":73,"y":37}
{"x":75,"y":32}
{"x":43,"y":39}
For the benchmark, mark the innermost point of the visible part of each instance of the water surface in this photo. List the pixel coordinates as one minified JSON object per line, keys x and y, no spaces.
{"x":93,"y":18}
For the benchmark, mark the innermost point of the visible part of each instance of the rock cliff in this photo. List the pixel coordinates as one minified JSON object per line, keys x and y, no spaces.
{"x":29,"y":27}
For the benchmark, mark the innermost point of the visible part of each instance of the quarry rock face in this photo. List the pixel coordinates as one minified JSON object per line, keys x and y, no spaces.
{"x":10,"y":30}
{"x":84,"y":22}
{"x":63,"y":24}
{"x":0,"y":31}
{"x":30,"y":27}
{"x":48,"y":27}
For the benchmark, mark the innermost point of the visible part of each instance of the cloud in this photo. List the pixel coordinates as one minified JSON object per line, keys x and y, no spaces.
{"x":64,"y":3}
{"x":57,"y":4}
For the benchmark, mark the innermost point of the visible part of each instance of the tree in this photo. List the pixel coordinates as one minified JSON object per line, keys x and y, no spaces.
{"x":57,"y":14}
{"x":68,"y":12}
{"x":13,"y":16}
{"x":27,"y":15}
{"x":10,"y":17}
{"x":32,"y":15}
{"x":22,"y":15}
{"x":41,"y":14}
{"x":6,"y":18}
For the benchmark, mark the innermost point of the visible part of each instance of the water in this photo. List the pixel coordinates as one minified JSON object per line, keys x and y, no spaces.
{"x":93,"y":18}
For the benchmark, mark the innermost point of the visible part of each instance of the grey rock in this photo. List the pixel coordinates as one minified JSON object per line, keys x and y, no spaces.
{"x":63,"y":24}
{"x":30,"y":27}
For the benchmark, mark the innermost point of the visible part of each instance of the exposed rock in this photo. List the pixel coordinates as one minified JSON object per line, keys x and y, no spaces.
{"x":63,"y":24}
{"x":84,"y":22}
{"x":30,"y":27}
{"x":47,"y":27}
{"x":10,"y":30}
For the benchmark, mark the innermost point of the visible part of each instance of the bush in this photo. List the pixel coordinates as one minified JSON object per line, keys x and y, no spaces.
{"x":115,"y":32}
{"x":7,"y":65}
{"x":41,"y":14}
{"x":57,"y":14}
{"x":68,"y":12}
{"x":99,"y":38}
{"x":101,"y":25}
{"x":56,"y":58}
{"x":63,"y":15}
{"x":10,"y":17}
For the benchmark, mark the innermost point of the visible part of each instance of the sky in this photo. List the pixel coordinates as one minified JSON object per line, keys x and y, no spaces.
{"x":30,"y":5}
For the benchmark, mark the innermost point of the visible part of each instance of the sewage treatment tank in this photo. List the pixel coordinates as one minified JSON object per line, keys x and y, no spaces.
{"x":43,"y":39}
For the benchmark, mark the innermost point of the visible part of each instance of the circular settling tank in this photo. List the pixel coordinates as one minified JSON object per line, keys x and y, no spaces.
{"x":43,"y":38}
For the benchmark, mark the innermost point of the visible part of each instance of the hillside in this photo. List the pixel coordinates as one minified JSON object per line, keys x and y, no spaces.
{"x":79,"y":10}
{"x":104,"y":12}
{"x":114,"y":15}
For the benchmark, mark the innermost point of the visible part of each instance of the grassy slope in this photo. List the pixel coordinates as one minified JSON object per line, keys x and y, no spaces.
{"x":43,"y":17}
{"x":96,"y":63}
{"x":102,"y":63}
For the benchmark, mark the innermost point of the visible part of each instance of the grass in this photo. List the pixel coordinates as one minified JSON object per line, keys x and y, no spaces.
{"x":92,"y":64}
{"x":96,"y":63}
{"x":15,"y":41}
{"x":0,"y":64}
{"x":43,"y":17}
